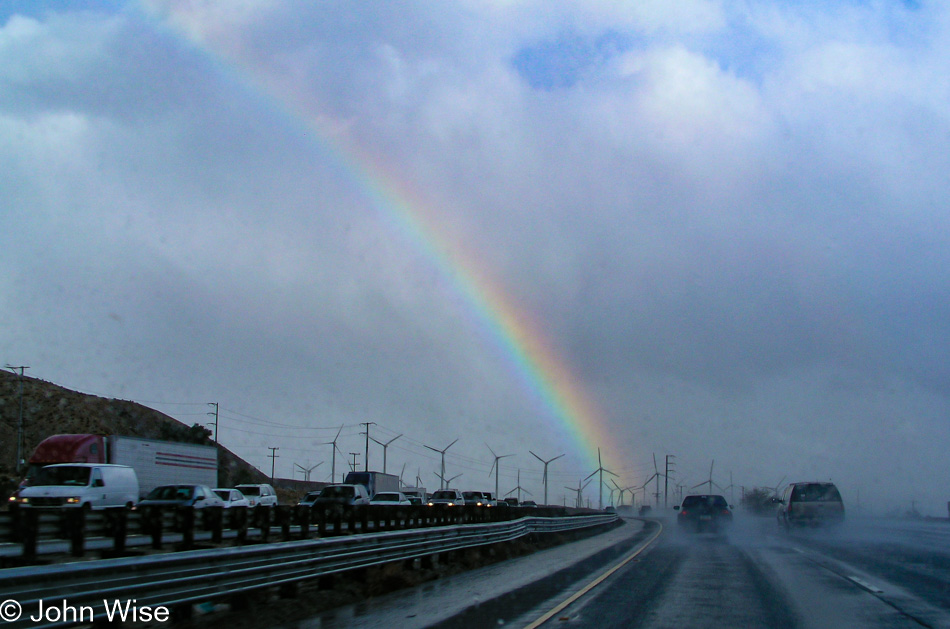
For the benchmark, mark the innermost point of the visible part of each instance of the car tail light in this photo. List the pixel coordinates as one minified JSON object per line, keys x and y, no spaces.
{"x":684,"y":512}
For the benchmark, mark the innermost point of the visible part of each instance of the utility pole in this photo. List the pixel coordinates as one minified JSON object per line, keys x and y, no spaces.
{"x":273,"y":462}
{"x":666,"y":482}
{"x":366,"y":457}
{"x":215,"y":413}
{"x":386,"y":445}
{"x":19,"y":424}
{"x":353,"y":464}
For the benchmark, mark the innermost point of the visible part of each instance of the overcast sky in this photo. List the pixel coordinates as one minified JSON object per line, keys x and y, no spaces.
{"x":710,"y":229}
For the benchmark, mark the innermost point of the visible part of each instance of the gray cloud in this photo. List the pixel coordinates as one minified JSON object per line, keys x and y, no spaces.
{"x":726,"y":221}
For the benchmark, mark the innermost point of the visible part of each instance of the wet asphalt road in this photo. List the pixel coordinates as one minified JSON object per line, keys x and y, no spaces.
{"x":864,"y":575}
{"x":869,"y":574}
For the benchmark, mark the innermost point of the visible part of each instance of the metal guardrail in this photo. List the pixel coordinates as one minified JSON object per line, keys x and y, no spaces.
{"x":28,"y":533}
{"x":176,"y":580}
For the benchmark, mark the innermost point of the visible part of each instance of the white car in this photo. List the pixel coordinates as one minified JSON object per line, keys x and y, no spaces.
{"x":259,"y":495}
{"x":232,"y":497}
{"x":390,"y":498}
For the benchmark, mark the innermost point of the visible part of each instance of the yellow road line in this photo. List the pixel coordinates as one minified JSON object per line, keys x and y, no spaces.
{"x":590,"y":586}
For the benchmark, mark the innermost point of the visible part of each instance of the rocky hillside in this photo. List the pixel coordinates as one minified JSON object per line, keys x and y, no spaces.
{"x":49,"y":409}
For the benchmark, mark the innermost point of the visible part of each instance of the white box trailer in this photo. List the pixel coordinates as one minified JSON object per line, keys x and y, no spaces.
{"x":165,"y":462}
{"x":374,"y":482}
{"x":155,"y":462}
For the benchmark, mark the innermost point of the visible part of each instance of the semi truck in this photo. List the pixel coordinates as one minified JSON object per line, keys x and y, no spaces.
{"x":374,"y":482}
{"x":155,"y":462}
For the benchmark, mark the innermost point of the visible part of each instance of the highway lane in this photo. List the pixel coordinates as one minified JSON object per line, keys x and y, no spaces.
{"x":864,"y":575}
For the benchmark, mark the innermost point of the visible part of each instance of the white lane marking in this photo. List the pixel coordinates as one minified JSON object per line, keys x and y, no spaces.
{"x":590,"y":586}
{"x":867,"y":586}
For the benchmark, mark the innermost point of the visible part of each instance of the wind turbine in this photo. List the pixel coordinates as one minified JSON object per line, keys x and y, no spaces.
{"x":731,"y":488}
{"x":386,"y":445}
{"x":601,"y":469}
{"x":335,"y":448}
{"x":442,"y":452}
{"x":580,"y":492}
{"x":622,"y":490}
{"x":708,"y":482}
{"x":519,"y":489}
{"x":306,"y":470}
{"x":446,"y":481}
{"x":494,"y":466}
{"x":656,"y":475}
{"x":545,"y":477}
{"x":777,"y":485}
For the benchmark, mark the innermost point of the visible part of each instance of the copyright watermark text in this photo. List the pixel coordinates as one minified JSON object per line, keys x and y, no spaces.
{"x":115,"y":610}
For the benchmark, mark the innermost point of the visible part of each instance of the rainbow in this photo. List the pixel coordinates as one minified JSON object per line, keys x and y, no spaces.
{"x":546,"y":376}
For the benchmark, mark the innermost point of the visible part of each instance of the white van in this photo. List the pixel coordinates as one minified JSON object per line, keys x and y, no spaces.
{"x":86,"y":485}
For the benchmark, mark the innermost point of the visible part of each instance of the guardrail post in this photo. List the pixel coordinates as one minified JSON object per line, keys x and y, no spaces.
{"x":26,"y":525}
{"x":120,"y":528}
{"x":75,"y":524}
{"x":282,"y":513}
{"x":186,"y":517}
{"x":152,"y":521}
{"x":351,"y":520}
{"x":303,"y":519}
{"x":321,"y":512}
{"x":239,"y":522}
{"x":262,"y":518}
{"x":215,"y":521}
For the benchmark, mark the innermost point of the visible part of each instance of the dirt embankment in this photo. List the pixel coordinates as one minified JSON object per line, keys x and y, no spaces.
{"x":49,"y":409}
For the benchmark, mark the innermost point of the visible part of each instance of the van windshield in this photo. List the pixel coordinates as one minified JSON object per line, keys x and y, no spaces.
{"x":74,"y":476}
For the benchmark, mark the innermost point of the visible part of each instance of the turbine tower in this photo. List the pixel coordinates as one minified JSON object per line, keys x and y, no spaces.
{"x":385,"y":445}
{"x":335,"y":448}
{"x":441,"y":475}
{"x":494,"y":466}
{"x":601,"y":469}
{"x":545,"y":477}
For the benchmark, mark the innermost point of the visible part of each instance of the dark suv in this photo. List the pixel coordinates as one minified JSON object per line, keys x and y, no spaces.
{"x":810,"y":504}
{"x":704,"y":513}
